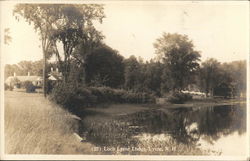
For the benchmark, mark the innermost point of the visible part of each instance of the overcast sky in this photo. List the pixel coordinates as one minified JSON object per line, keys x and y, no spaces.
{"x":217,"y":29}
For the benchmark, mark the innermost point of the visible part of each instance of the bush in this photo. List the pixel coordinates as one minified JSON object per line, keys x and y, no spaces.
{"x":110,"y":95}
{"x":70,"y":95}
{"x":179,"y":97}
{"x":63,"y":94}
{"x":7,"y":87}
{"x":50,"y":85}
{"x":30,"y":88}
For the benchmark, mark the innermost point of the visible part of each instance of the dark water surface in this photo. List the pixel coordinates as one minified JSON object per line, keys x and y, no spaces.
{"x":217,"y":130}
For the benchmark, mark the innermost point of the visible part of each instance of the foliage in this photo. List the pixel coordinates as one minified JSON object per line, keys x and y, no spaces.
{"x":43,"y":17}
{"x":77,"y":28}
{"x":67,"y":24}
{"x":224,"y":90}
{"x":23,"y":67}
{"x":232,"y":75}
{"x":50,"y":85}
{"x":152,"y":80}
{"x":7,"y":87}
{"x":210,"y":75}
{"x":64,"y":94}
{"x":179,"y":97}
{"x":30,"y":88}
{"x":107,"y":94}
{"x":71,"y":96}
{"x":133,"y":74}
{"x":179,"y":57}
{"x":104,"y":67}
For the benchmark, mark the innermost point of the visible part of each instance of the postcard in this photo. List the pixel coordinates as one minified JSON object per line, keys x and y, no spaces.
{"x":124,"y":80}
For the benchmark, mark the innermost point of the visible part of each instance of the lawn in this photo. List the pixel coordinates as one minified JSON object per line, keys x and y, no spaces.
{"x":34,"y":125}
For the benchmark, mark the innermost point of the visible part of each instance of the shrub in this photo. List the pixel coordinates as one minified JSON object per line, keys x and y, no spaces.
{"x":7,"y":87}
{"x":50,"y":85}
{"x":29,"y":87}
{"x":179,"y":97}
{"x":63,"y":94}
{"x":70,"y":95}
{"x":110,"y":95}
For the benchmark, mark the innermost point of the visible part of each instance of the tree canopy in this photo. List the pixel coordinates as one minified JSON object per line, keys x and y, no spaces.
{"x":179,"y":57}
{"x":105,"y":67}
{"x":69,"y":24}
{"x":210,"y":75}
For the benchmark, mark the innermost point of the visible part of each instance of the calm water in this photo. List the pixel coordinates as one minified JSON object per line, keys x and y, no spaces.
{"x":218,"y":130}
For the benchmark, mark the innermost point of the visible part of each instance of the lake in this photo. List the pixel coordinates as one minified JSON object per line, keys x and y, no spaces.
{"x":216,"y":130}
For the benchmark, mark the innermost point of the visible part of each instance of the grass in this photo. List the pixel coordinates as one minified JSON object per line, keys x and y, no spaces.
{"x":33,"y":125}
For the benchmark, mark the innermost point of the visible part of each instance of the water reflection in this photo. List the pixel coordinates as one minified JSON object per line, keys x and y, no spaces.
{"x":180,"y":126}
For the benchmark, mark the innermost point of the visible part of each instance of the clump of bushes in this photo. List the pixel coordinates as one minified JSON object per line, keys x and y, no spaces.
{"x":107,"y":94}
{"x":179,"y":97}
{"x":30,"y":88}
{"x":63,"y":94}
{"x":70,"y":95}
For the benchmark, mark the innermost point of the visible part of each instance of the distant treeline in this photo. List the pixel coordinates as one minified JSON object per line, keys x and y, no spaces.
{"x":106,"y":67}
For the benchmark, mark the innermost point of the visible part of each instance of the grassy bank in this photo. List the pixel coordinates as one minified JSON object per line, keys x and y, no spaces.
{"x":33,"y":125}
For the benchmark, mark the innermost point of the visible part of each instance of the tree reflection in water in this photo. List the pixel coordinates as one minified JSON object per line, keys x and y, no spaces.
{"x":184,"y":125}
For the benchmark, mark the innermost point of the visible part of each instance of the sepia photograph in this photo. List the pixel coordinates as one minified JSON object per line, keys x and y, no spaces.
{"x":124,"y":79}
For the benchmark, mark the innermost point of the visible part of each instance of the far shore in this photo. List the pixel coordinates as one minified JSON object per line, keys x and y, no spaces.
{"x":125,"y":109}
{"x":207,"y":102}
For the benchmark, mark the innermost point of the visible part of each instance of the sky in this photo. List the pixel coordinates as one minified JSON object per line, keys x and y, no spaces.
{"x":218,"y":30}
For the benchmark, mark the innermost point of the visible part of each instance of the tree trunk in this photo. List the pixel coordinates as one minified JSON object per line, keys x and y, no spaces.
{"x":44,"y":74}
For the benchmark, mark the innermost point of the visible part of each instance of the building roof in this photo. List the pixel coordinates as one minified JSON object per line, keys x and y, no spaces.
{"x":24,"y":78}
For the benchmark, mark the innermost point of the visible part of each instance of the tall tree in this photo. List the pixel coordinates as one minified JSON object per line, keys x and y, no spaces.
{"x":152,"y":79}
{"x":234,"y":75}
{"x":42,"y":18}
{"x":179,"y":57}
{"x":210,"y":75}
{"x":75,"y":28}
{"x":105,"y":67}
{"x":132,"y":74}
{"x":64,"y":23}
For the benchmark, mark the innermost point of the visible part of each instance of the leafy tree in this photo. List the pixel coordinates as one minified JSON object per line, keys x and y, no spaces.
{"x":65,"y":23}
{"x":180,"y":60}
{"x":234,"y":75}
{"x":104,"y":66}
{"x":210,"y":75}
{"x":9,"y":70}
{"x":152,"y":78}
{"x":133,"y":74}
{"x":75,"y":30}
{"x":42,"y":17}
{"x":23,"y":67}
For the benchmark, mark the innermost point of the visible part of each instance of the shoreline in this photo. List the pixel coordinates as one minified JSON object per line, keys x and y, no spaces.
{"x":206,"y":103}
